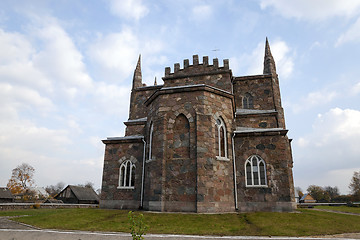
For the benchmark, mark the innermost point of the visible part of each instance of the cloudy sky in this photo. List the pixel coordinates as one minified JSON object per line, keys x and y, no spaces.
{"x":66,"y":69}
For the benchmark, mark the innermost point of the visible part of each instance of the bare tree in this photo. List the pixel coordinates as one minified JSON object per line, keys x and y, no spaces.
{"x":55,"y":189}
{"x":87,"y":185}
{"x":332,"y":191}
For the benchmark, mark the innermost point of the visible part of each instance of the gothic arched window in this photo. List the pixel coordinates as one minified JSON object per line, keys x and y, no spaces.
{"x":127,"y":175}
{"x":181,"y":138}
{"x":255,"y":172}
{"x":248,"y":101}
{"x":220,"y":139}
{"x":150,"y":140}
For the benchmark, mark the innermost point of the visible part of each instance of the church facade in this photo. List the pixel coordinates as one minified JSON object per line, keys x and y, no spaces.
{"x":204,"y":141}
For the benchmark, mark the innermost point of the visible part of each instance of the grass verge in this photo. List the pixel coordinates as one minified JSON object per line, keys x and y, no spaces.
{"x":302,"y":223}
{"x":341,"y":209}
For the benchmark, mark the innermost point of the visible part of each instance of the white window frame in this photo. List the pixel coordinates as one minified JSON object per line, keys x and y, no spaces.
{"x":219,"y":153}
{"x":250,"y":161}
{"x":124,"y":165}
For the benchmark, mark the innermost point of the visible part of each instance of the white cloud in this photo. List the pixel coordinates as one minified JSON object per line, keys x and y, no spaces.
{"x":60,"y":60}
{"x":40,"y":69}
{"x":330,"y":150}
{"x":254,"y":62}
{"x":312,"y":10}
{"x":356,"y":88}
{"x":30,"y":136}
{"x":21,"y":98}
{"x":201,"y":13}
{"x":351,"y":35}
{"x":16,"y":66}
{"x":283,"y":58}
{"x":108,"y":98}
{"x":345,"y":123}
{"x":117,"y":54}
{"x":117,"y":51}
{"x":131,"y":9}
{"x":14,"y":47}
{"x":313,"y":99}
{"x":302,"y":142}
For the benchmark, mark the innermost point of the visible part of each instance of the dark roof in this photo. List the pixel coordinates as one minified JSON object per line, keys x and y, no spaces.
{"x":51,"y":200}
{"x":5,"y":193}
{"x":83,"y":193}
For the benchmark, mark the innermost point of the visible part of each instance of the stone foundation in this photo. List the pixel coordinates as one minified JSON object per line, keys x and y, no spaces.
{"x":120,"y":204}
{"x":267,"y":206}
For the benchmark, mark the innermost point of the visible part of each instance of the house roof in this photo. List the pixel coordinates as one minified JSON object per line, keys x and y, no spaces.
{"x":83,"y":193}
{"x":305,"y":195}
{"x":5,"y":193}
{"x":51,"y":200}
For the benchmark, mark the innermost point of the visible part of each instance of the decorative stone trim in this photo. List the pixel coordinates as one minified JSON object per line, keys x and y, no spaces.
{"x":149,"y":160}
{"x":253,"y":77}
{"x":189,"y":88}
{"x":139,"y":121}
{"x":129,"y":188}
{"x":260,"y":132}
{"x":223,"y":159}
{"x":252,"y":112}
{"x":146,"y":88}
{"x":258,"y":186}
{"x":127,"y":139}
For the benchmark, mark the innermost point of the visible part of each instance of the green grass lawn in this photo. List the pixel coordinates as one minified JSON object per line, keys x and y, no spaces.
{"x":341,"y":208}
{"x":302,"y":223}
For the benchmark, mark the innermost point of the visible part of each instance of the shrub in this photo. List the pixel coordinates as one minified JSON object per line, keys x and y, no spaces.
{"x":137,"y":225}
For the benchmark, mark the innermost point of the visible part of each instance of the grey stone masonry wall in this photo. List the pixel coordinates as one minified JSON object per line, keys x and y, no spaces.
{"x":116,"y":152}
{"x":194,"y":135}
{"x":272,"y":148}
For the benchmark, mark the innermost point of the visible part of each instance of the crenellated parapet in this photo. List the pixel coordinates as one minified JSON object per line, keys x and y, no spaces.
{"x":196,"y":67}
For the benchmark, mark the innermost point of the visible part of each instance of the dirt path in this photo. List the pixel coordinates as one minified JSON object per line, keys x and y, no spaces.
{"x":6,"y":223}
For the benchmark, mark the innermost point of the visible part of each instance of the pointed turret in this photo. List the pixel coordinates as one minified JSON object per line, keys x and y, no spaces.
{"x":155,"y":82}
{"x":137,"y":79}
{"x":269,"y":63}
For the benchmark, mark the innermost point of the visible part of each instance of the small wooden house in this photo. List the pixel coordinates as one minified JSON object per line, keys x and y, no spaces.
{"x":78,"y":195}
{"x":307,"y":198}
{"x":6,"y":196}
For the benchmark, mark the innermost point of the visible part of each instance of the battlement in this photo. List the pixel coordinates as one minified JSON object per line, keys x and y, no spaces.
{"x":197,"y":67}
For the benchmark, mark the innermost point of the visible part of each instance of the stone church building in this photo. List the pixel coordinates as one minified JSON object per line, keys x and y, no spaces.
{"x":204,"y":141}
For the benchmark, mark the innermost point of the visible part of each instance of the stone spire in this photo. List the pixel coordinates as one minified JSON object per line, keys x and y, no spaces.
{"x":269,"y":63}
{"x":155,"y":82}
{"x":137,"y":79}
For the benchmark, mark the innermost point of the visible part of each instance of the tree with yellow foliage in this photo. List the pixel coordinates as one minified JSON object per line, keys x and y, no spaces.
{"x":21,"y":178}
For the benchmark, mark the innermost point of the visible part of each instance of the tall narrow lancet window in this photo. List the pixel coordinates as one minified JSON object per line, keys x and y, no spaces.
{"x":220,"y":139}
{"x":181,"y":143}
{"x":127,"y":175}
{"x":255,"y":172}
{"x":151,"y":141}
{"x":248,"y":101}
